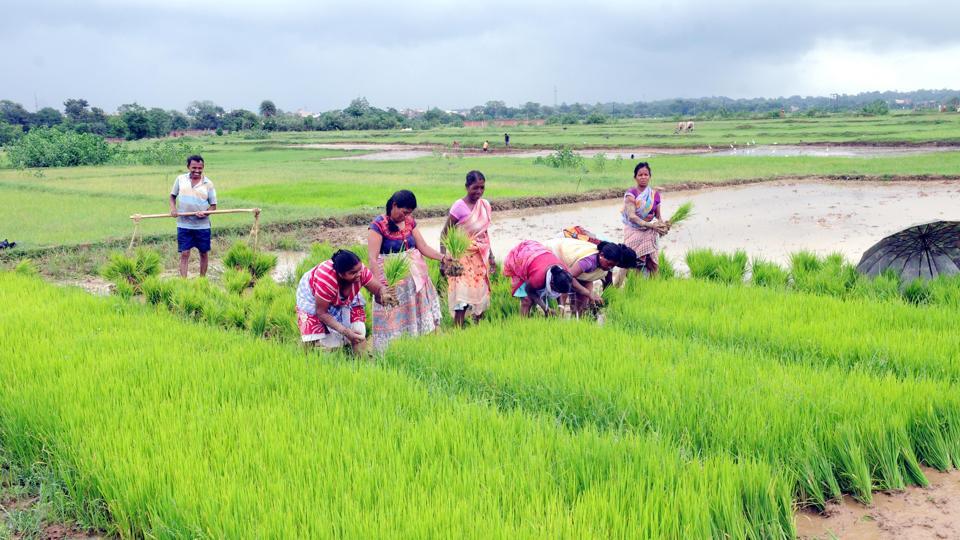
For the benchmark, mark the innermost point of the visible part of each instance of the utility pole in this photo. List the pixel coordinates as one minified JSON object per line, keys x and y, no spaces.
{"x":554,"y":97}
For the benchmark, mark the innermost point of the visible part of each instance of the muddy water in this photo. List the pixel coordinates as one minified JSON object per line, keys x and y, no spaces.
{"x":768,"y":220}
{"x":915,"y":513}
{"x":826,"y":151}
{"x":380,"y":152}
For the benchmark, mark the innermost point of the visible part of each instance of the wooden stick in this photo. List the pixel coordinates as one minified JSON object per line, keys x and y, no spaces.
{"x":138,"y":217}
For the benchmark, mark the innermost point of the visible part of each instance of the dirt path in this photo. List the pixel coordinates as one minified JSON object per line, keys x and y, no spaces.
{"x":916,"y":513}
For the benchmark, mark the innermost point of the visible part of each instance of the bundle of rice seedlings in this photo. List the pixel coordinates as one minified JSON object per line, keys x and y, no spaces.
{"x":884,"y":287}
{"x":732,"y":268}
{"x":683,"y":212}
{"x":666,"y":268}
{"x":132,"y":271}
{"x":124,"y":290}
{"x":768,"y":274}
{"x":237,"y":280}
{"x":945,"y":291}
{"x":396,"y":268}
{"x":26,"y":267}
{"x":917,"y":292}
{"x":240,"y":255}
{"x":157,"y":291}
{"x":262,"y":264}
{"x":457,"y":243}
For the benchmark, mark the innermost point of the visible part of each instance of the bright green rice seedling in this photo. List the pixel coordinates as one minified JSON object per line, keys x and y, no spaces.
{"x":666,"y":269}
{"x":885,"y":287}
{"x":157,"y":291}
{"x":768,"y":274}
{"x":241,"y":257}
{"x":132,"y":271}
{"x":705,"y":399}
{"x":944,"y":291}
{"x":238,"y":437}
{"x":237,"y":280}
{"x":803,"y":262}
{"x":706,"y":264}
{"x":855,"y":333}
{"x":917,"y":292}
{"x":396,"y":268}
{"x":26,"y":267}
{"x":683,"y":212}
{"x":457,"y":242}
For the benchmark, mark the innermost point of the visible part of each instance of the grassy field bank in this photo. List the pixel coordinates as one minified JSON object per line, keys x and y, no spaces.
{"x":67,"y":206}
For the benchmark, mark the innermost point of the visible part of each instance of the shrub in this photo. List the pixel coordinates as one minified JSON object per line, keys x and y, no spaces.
{"x":52,"y":147}
{"x":563,"y":158}
{"x":164,"y":152}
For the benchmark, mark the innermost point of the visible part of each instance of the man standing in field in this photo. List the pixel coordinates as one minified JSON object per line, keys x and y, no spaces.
{"x":191,"y":197}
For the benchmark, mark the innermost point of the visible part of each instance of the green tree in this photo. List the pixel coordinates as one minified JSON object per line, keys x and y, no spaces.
{"x":9,"y":133}
{"x":178,"y":120}
{"x":160,"y":122}
{"x":76,"y":109}
{"x":14,"y":113}
{"x":47,"y":117}
{"x":205,"y":114}
{"x":267,"y":109}
{"x":358,"y":107}
{"x":135,"y":118}
{"x":240,"y":119}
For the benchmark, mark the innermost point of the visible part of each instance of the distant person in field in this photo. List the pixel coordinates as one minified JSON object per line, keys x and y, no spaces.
{"x":486,"y":146}
{"x":416,"y":309}
{"x":506,"y":139}
{"x":642,"y":224}
{"x":471,"y":289}
{"x":330,"y":308}
{"x":537,"y":275}
{"x":191,"y":197}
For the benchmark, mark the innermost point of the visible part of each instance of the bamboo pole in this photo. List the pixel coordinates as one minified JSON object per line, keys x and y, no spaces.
{"x":137,"y":217}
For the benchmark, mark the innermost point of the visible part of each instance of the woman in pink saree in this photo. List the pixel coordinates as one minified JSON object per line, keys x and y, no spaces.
{"x":471,"y":289}
{"x":537,"y":275}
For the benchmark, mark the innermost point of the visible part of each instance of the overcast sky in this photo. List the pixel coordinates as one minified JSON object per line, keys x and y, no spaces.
{"x":319,"y":55}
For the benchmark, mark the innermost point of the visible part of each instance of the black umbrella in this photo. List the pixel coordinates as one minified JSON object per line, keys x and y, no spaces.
{"x":921,"y":251}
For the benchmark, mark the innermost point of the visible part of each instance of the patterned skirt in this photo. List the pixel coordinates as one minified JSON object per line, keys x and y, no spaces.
{"x":418,"y":313}
{"x":471,"y":288}
{"x":643,"y":241}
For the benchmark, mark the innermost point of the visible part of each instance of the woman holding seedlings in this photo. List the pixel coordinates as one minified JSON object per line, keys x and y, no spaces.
{"x":330,"y":310}
{"x":642,"y":224}
{"x":590,"y":262}
{"x":415,"y":309}
{"x":468,"y":287}
{"x":537,"y":275}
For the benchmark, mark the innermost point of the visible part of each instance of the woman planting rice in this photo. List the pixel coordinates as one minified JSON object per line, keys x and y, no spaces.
{"x":330,"y":310}
{"x":537,"y":275}
{"x":642,"y":224}
{"x":416,"y":309}
{"x":590,"y":262}
{"x":469,"y":287}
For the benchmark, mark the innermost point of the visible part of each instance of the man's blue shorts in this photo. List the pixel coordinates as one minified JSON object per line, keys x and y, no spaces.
{"x":193,"y":238}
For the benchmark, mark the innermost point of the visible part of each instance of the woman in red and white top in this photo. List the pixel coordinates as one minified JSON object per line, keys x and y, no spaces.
{"x":330,"y":312}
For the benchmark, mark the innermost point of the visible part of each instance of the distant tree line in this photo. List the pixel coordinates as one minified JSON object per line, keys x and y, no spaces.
{"x":133,"y":121}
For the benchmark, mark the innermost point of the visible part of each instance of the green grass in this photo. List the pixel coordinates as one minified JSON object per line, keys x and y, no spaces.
{"x":897,"y":127}
{"x":65,"y":206}
{"x":181,"y":430}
